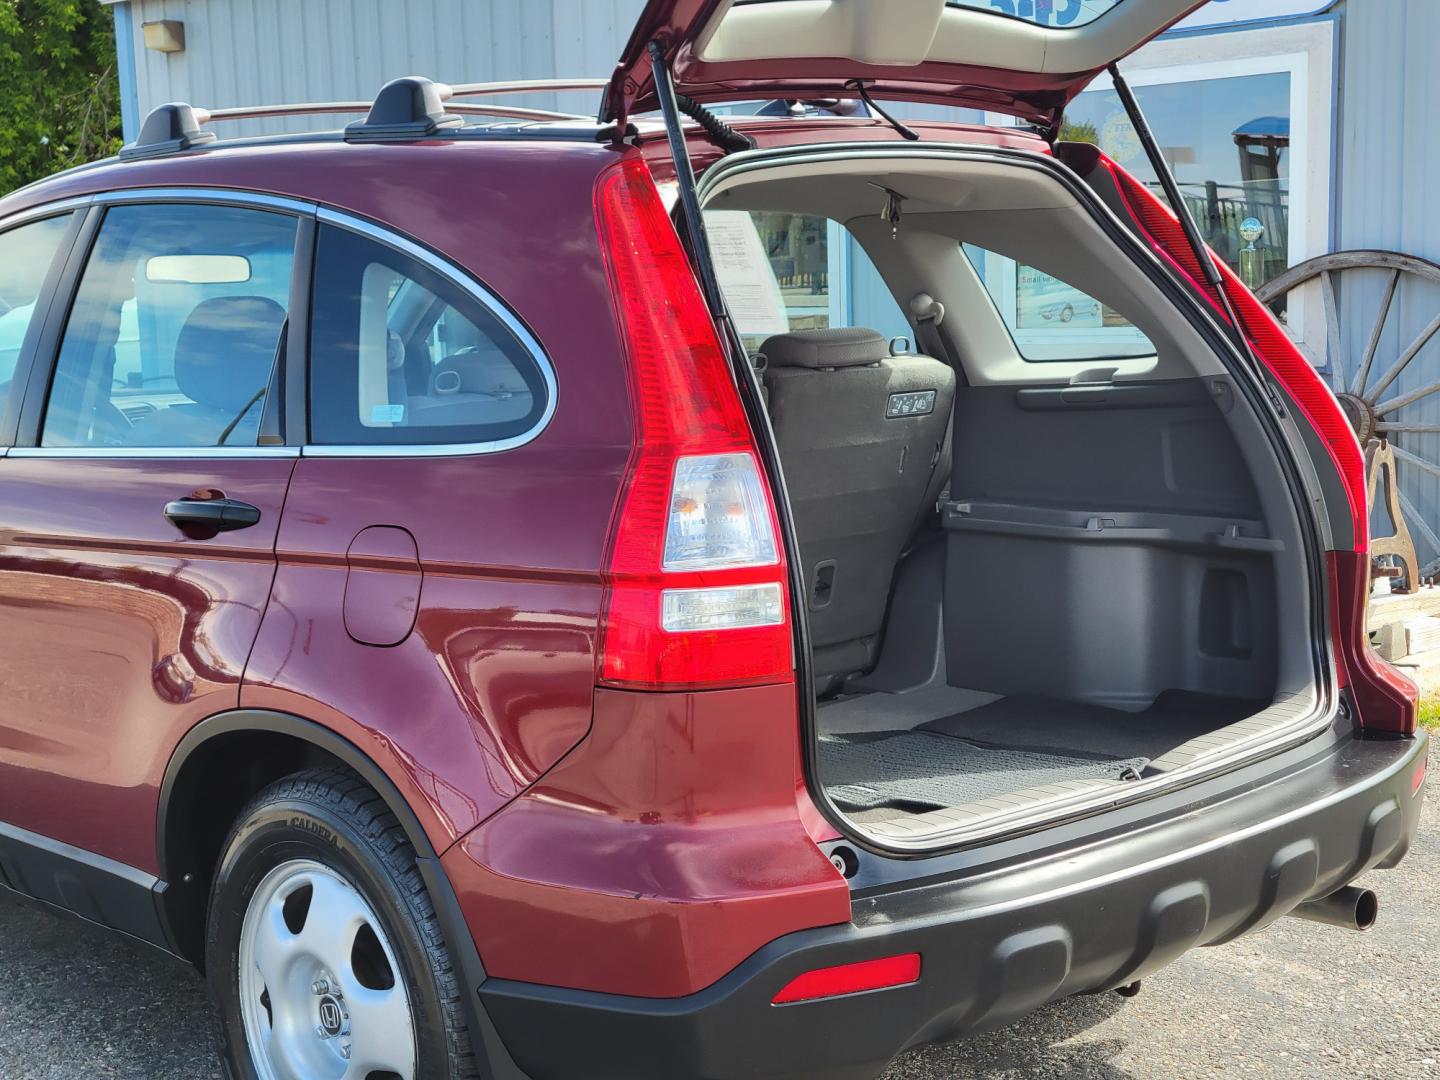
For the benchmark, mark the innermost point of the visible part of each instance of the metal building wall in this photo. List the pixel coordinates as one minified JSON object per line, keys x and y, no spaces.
{"x":257,"y":52}
{"x":1388,"y":158}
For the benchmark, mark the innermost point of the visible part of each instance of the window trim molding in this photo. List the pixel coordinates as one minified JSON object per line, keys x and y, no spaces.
{"x":254,"y":200}
{"x":477,"y":291}
{"x":44,"y":210}
{"x":321,"y":214}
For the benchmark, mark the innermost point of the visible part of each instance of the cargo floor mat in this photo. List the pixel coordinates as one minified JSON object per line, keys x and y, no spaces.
{"x":921,"y":767}
{"x":1069,"y":727}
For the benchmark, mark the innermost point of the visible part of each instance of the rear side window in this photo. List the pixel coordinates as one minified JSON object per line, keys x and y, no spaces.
{"x":401,"y":355}
{"x":26,"y":254}
{"x":1050,"y":319}
{"x":175,"y":329}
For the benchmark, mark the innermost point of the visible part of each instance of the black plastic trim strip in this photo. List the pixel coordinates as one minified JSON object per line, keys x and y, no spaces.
{"x":91,"y":887}
{"x":295,"y":381}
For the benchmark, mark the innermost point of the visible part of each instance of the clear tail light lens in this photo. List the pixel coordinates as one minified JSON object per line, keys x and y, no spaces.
{"x":684,"y":611}
{"x":719,"y":515}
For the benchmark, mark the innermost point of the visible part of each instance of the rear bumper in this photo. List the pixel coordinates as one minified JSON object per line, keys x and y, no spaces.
{"x":1077,"y":918}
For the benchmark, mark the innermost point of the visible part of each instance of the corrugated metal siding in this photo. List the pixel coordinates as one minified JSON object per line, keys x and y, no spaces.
{"x":260,"y":52}
{"x":1388,"y":161}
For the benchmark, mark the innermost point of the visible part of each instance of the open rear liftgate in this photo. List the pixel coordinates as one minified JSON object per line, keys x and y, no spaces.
{"x":693,"y":222}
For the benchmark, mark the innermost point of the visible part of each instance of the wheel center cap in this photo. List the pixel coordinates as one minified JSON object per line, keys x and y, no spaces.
{"x":332,"y":1016}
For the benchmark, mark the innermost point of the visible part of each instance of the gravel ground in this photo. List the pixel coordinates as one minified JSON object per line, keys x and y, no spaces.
{"x":1295,"y":1000}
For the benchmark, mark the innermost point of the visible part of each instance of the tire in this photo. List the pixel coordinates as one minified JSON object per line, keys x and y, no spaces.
{"x":1067,"y":314}
{"x":317,"y":893}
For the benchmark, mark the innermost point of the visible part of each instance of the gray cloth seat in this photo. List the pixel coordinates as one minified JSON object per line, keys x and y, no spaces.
{"x":223,"y":359}
{"x":859,"y":464}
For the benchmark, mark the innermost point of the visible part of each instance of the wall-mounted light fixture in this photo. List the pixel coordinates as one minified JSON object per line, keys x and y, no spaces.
{"x":166,"y":35}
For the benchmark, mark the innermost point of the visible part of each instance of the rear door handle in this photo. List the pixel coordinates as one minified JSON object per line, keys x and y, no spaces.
{"x":211,"y":516}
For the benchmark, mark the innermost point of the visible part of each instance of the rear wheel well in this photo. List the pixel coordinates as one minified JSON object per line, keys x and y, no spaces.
{"x":212,"y":785}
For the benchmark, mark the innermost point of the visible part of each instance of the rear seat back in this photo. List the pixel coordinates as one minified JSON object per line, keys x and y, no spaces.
{"x":860,"y":434}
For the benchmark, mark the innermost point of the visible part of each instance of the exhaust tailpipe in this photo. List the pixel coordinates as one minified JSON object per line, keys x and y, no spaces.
{"x":1351,"y":907}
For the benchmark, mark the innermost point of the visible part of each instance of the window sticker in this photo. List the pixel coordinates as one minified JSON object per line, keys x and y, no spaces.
{"x":387,"y":414}
{"x":747,"y":279}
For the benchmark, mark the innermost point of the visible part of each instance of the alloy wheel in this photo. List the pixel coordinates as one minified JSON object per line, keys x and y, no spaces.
{"x":321,"y":993}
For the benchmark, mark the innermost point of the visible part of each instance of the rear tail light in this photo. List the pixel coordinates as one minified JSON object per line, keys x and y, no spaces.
{"x":695,"y":575}
{"x":1384,"y":698}
{"x":892,"y":971}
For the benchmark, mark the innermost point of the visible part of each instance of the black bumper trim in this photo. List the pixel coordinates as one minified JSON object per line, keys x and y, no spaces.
{"x":997,"y":946}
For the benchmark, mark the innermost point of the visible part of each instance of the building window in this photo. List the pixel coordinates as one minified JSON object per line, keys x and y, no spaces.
{"x":1227,"y":141}
{"x":1246,"y":118}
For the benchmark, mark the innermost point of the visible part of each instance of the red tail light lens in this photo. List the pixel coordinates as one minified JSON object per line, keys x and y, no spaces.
{"x":695,"y":573}
{"x":1266,"y":336}
{"x":832,"y":982}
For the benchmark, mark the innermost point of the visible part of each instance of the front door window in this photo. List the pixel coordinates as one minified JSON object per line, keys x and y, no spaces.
{"x":175,"y":330}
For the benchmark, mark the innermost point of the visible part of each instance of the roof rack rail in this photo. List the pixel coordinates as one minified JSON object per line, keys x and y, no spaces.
{"x":527,"y":86}
{"x":407,"y":108}
{"x":318,"y":108}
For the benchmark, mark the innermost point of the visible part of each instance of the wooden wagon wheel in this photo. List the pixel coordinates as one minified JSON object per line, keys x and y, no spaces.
{"x":1363,"y":385}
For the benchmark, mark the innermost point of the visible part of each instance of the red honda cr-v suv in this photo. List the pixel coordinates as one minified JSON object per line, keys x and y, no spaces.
{"x":475,"y":588}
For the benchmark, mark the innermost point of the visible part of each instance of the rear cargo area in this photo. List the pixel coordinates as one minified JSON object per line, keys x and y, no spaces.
{"x":1035,"y":585}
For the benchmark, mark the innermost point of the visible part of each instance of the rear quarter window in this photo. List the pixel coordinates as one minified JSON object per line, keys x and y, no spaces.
{"x":1050,"y":319}
{"x":404,"y":355}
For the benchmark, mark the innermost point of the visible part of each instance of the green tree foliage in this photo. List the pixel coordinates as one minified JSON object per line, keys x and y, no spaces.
{"x":1079,"y":131}
{"x":59,"y":96}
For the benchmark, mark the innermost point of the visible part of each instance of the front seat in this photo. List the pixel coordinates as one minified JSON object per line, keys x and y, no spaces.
{"x":860,"y":434}
{"x":223,"y":359}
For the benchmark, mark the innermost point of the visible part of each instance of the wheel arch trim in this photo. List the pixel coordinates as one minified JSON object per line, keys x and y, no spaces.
{"x":269,"y":721}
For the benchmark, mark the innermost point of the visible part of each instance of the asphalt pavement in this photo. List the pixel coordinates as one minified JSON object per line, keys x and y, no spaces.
{"x":1294,"y":1000}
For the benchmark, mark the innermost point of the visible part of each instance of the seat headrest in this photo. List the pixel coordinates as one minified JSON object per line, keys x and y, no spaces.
{"x":226,"y":349}
{"x":478,"y":371}
{"x":837,"y":347}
